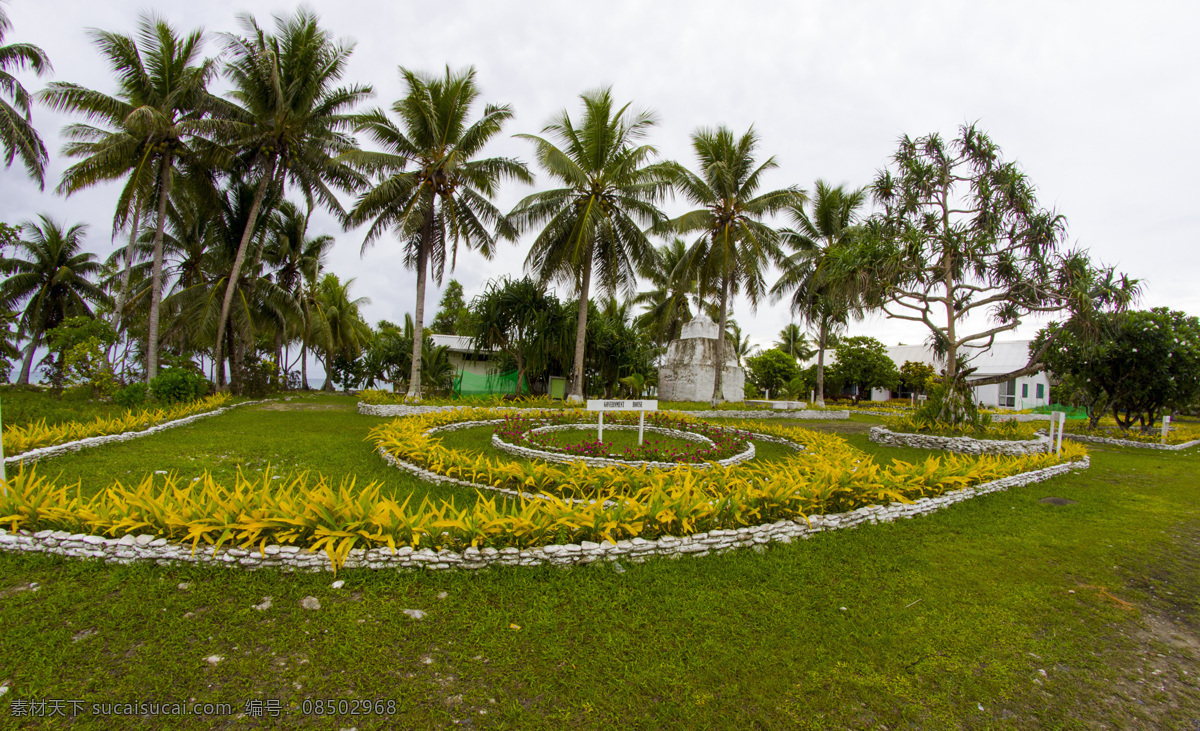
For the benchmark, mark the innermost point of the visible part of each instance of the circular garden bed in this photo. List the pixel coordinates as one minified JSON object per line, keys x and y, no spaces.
{"x":561,"y":437}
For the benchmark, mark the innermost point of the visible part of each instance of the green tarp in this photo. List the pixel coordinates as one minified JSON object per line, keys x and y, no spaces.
{"x":470,"y":384}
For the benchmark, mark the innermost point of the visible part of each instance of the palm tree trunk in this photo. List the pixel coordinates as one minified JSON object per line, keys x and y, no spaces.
{"x":240,"y":258}
{"x":823,"y":335}
{"x":304,"y":367}
{"x":585,"y":284}
{"x":718,"y":396}
{"x":164,"y":189}
{"x":123,"y":300}
{"x":27,"y":363}
{"x":414,"y":378}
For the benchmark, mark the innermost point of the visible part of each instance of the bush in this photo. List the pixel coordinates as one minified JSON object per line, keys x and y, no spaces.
{"x":131,"y":396}
{"x":259,"y":377}
{"x":175,"y":385}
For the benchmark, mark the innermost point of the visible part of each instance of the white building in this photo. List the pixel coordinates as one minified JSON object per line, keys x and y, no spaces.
{"x":1024,"y":392}
{"x":462,"y":356}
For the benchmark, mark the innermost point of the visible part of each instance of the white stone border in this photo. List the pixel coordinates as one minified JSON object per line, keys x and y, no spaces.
{"x":1131,"y":442}
{"x":961,"y":445}
{"x":55,"y":450}
{"x":148,"y":548}
{"x":391,"y":410}
{"x":562,"y":458}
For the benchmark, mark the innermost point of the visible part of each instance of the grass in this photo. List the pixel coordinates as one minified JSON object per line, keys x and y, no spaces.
{"x":20,"y":406}
{"x":1001,"y":612}
{"x":618,"y":440}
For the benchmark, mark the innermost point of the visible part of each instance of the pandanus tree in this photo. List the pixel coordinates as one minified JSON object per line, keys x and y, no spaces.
{"x":140,"y":134}
{"x":287,"y":122}
{"x":823,"y":291}
{"x":51,"y":274}
{"x":734,"y":245}
{"x":17,"y":135}
{"x":434,"y":190}
{"x":962,"y":235}
{"x":592,"y":225}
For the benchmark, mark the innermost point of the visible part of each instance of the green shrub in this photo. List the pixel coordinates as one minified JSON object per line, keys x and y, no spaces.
{"x":175,"y":385}
{"x":131,"y":396}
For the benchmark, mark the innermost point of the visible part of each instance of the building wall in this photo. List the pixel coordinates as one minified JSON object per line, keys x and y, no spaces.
{"x":472,"y":366}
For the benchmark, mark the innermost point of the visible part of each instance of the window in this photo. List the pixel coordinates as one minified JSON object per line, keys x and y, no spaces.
{"x":1041,"y":391}
{"x":1024,"y":390}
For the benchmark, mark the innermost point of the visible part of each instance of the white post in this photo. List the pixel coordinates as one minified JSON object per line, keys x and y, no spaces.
{"x":1062,"y":422}
{"x":600,"y":438}
{"x":641,"y":425}
{"x":1166,"y":428}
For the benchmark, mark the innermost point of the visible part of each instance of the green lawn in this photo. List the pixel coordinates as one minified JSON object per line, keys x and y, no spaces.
{"x":1001,"y":612}
{"x":20,"y":406}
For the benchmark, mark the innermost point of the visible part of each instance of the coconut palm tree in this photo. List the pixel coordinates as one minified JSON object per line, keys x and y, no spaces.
{"x":53,"y":280}
{"x":444,"y":197}
{"x":794,"y":342}
{"x":667,"y":305}
{"x":826,"y":288}
{"x":734,"y":246}
{"x":145,"y":130}
{"x":287,"y":122}
{"x":17,"y":134}
{"x":297,"y":258}
{"x":593,"y":223}
{"x":739,"y":341}
{"x":338,"y":325}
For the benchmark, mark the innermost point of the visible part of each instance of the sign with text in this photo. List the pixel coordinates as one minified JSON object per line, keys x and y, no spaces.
{"x":626,"y":405}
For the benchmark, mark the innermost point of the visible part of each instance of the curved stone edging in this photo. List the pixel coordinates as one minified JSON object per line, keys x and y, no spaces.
{"x":1131,"y":442}
{"x":392,"y":410}
{"x":55,"y":450}
{"x":561,"y":458}
{"x":148,"y":548}
{"x":961,"y":445}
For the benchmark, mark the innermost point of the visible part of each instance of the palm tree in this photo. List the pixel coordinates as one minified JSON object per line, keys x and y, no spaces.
{"x":794,"y":342}
{"x":739,"y":341}
{"x":297,"y":259}
{"x":17,"y":134}
{"x":734,"y":246}
{"x":593,"y":223}
{"x":287,"y":122}
{"x":825,"y":291}
{"x":667,"y":303}
{"x":445,"y":197}
{"x":53,"y":281}
{"x":338,"y":326}
{"x":147,"y":129}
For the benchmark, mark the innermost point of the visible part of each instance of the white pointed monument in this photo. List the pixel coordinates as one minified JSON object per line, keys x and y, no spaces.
{"x":689,"y":369}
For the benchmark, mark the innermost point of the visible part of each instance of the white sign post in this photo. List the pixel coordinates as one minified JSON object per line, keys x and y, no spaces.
{"x":641,"y":405}
{"x":1166,"y":428}
{"x":1058,"y":418}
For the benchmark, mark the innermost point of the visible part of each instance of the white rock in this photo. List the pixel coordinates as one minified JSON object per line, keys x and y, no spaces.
{"x":184,"y":586}
{"x":213,"y":659}
{"x":442,"y":595}
{"x":337,"y":584}
{"x":265,"y":604}
{"x":310,"y":602}
{"x":415,"y":613}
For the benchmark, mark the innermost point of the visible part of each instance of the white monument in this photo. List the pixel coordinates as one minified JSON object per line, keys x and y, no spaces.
{"x":690,"y":366}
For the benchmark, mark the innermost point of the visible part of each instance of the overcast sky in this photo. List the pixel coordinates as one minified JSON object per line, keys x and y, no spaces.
{"x":1097,"y":101}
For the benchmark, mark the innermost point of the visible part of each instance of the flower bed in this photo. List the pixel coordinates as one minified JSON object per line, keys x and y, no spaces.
{"x":676,"y":511}
{"x":713,"y":443}
{"x":1180,"y":434}
{"x":961,"y":444}
{"x":20,"y":440}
